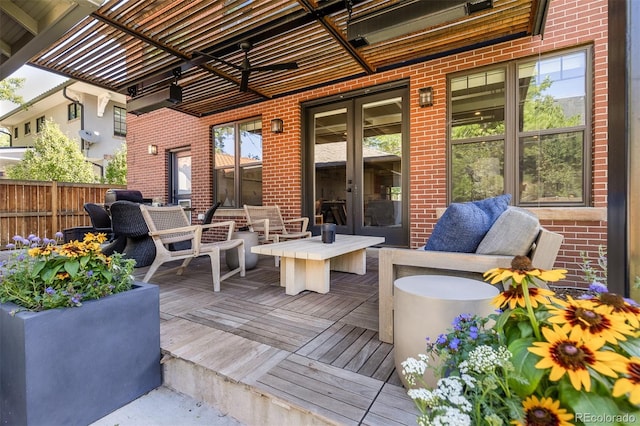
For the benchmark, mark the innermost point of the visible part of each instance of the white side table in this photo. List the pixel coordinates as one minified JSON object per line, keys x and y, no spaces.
{"x":426,"y":305}
{"x":250,"y":259}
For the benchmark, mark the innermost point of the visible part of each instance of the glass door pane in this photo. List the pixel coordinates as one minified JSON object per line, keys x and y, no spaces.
{"x":381,"y":164}
{"x":330,"y":164}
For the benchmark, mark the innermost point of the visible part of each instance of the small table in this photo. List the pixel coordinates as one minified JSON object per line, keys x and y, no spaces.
{"x":305,"y":264}
{"x":425,"y":306}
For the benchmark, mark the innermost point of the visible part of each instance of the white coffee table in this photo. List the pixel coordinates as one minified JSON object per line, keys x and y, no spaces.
{"x":305,"y":264}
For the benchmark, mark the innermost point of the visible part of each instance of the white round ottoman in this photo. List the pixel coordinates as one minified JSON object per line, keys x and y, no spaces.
{"x":426,"y":305}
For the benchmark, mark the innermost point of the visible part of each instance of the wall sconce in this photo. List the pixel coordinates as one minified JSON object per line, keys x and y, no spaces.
{"x":277,"y":125}
{"x":425,"y":97}
{"x":152,"y":149}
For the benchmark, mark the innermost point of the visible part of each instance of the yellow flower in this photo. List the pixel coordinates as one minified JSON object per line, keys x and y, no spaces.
{"x":520,"y":268}
{"x":630,"y":384}
{"x":572,"y":357}
{"x":544,"y":411}
{"x":582,"y":319}
{"x":515,"y":296}
{"x":619,"y":306}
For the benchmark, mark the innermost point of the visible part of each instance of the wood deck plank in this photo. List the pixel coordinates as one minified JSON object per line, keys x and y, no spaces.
{"x":251,"y":333}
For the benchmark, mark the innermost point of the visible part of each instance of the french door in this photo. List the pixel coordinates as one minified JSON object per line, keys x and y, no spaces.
{"x":180,"y":178}
{"x":355,"y":176}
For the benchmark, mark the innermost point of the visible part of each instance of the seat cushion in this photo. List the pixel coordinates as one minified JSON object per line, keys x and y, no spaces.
{"x":463,"y":225}
{"x":512,"y":234}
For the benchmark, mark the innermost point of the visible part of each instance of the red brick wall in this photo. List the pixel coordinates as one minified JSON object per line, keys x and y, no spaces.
{"x":569,"y":23}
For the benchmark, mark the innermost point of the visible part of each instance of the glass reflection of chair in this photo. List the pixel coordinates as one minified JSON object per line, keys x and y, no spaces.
{"x":169,"y":226}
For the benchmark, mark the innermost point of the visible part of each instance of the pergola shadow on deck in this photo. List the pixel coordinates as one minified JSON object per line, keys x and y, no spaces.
{"x":266,"y":358}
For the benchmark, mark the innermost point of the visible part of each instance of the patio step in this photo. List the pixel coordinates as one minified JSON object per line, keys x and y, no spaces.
{"x":258,"y":384}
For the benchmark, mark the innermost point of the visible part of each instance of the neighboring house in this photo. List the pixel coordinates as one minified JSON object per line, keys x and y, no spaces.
{"x":94,"y":117}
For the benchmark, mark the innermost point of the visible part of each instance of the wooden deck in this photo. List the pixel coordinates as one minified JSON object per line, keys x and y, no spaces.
{"x":267,"y":358}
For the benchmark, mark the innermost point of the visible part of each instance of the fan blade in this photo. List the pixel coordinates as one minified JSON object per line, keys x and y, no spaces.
{"x":244,"y":83}
{"x":277,"y":67}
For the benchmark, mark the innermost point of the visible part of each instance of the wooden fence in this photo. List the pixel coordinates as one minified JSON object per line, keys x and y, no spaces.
{"x":44,"y":208}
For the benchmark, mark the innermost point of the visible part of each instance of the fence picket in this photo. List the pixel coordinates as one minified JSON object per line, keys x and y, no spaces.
{"x":44,"y":208}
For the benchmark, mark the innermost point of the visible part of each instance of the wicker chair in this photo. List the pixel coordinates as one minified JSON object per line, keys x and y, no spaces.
{"x":169,"y":226}
{"x":271,"y":228}
{"x":100,"y":218}
{"x":129,"y":225}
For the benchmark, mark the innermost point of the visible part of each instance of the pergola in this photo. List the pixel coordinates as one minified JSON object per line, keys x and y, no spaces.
{"x":140,"y":47}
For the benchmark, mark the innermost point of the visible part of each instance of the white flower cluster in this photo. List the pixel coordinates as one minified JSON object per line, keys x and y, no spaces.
{"x":446,"y":404}
{"x":485,"y":359}
{"x":414,"y":368}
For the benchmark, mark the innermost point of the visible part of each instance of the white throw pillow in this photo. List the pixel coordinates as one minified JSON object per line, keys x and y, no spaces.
{"x":512,"y":234}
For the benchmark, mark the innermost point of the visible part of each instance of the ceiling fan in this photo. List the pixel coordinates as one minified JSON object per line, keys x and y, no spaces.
{"x":245,"y":67}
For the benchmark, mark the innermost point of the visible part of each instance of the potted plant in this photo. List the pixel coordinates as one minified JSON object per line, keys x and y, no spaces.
{"x":79,"y":337}
{"x":541,"y":360}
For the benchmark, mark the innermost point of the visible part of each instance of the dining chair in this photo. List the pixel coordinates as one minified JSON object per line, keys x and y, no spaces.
{"x":170,"y":225}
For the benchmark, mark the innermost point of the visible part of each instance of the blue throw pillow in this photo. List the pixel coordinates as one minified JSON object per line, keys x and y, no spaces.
{"x":464,"y":225}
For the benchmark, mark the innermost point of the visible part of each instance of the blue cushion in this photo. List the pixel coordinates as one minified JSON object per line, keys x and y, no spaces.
{"x":464,"y":225}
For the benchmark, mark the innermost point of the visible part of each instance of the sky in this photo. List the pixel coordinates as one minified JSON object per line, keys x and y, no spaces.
{"x":37,"y":82}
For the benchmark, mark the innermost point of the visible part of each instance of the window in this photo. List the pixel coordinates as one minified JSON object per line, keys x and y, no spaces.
{"x":39,"y":124}
{"x":119,"y":121}
{"x":522,"y":128}
{"x":238,"y":152}
{"x":73,"y":111}
{"x":27,"y":128}
{"x":15,"y":133}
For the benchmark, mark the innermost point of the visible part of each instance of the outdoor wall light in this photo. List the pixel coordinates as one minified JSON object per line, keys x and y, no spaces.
{"x":152,"y":149}
{"x":277,"y":125}
{"x":426,"y":97}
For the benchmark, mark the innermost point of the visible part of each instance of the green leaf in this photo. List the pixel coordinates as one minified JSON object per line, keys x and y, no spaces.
{"x":72,"y":267}
{"x":525,"y":366}
{"x":590,"y":408}
{"x":48,"y":274}
{"x":631,"y":346}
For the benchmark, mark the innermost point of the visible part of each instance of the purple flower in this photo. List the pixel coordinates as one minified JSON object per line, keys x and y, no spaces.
{"x":473,"y":332}
{"x":11,"y":246}
{"x":34,"y":239}
{"x":598,"y":287}
{"x":631,"y":302}
{"x":59,"y":235}
{"x":441,"y":340}
{"x":17,"y":238}
{"x":50,"y":290}
{"x":454,"y":344}
{"x":89,"y":273}
{"x":76,"y":299}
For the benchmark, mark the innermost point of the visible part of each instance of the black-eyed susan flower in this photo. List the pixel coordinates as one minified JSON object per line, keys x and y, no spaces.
{"x":619,"y":306}
{"x":514,"y":296}
{"x":521,"y":267}
{"x":566,"y":356}
{"x":630,"y":384}
{"x":544,"y":411}
{"x":583,"y":319}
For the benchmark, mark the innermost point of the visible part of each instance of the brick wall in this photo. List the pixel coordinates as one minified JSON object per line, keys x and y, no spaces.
{"x":569,"y":23}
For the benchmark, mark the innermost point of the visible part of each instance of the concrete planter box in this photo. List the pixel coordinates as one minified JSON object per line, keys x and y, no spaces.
{"x":73,"y":366}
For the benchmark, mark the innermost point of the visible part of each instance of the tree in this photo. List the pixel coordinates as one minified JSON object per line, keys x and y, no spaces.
{"x":8,"y":89}
{"x":116,"y":171}
{"x":54,"y":157}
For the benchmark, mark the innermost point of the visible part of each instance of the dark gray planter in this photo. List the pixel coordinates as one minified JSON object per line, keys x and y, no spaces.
{"x":73,"y":366}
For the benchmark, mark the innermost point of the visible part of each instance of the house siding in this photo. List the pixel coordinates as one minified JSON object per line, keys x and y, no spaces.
{"x":569,"y":24}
